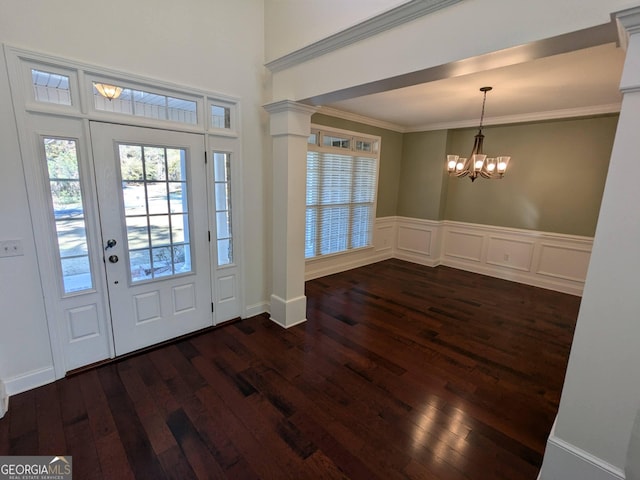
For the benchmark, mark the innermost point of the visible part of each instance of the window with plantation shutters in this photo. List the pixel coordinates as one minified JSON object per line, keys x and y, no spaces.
{"x":342,"y":177}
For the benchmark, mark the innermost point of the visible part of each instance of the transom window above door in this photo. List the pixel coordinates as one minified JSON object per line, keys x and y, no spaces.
{"x":76,"y":90}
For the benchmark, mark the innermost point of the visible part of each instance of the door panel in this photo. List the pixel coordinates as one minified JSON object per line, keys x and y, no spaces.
{"x":152,"y":197}
{"x":68,"y":239}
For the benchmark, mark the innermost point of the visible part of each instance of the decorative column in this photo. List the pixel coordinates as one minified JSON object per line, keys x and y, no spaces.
{"x":290,"y":124}
{"x":601,"y":394}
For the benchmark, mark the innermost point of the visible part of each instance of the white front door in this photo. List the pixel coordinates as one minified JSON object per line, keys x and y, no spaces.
{"x":152,"y":197}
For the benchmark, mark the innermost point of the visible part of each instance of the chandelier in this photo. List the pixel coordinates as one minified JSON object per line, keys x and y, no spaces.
{"x":478,"y":165}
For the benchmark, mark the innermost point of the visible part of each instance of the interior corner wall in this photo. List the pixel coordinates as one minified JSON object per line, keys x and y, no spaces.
{"x":390,"y":159}
{"x":554,"y":182}
{"x":422,"y":188}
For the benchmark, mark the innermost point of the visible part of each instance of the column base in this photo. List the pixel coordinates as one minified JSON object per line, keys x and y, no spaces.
{"x":288,"y":313}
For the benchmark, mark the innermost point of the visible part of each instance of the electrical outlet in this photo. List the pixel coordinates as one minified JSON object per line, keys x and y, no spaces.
{"x":11,"y":248}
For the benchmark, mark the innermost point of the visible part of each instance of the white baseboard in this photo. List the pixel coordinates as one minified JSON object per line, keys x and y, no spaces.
{"x":336,"y":264}
{"x":288,"y":312}
{"x":256,"y":309}
{"x":30,"y":380}
{"x":564,"y":461}
{"x":533,"y":280}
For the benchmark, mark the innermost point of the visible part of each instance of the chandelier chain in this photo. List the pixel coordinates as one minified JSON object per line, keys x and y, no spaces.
{"x":484,"y":100}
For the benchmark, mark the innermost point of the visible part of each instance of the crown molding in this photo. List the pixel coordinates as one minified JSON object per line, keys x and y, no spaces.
{"x":628,"y":23}
{"x":522,"y":118}
{"x":354,"y":117}
{"x":368,"y":28}
{"x":505,"y":120}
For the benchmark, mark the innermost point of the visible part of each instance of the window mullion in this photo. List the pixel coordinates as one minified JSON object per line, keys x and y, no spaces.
{"x":319,"y":209}
{"x":352,"y":202}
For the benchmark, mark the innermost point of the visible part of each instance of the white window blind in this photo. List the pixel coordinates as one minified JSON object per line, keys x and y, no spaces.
{"x":340,"y":202}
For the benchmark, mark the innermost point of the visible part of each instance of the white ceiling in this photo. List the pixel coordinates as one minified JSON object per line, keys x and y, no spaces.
{"x":582,"y":82}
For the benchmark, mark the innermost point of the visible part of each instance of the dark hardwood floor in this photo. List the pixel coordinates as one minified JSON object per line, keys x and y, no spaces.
{"x":401,"y":371}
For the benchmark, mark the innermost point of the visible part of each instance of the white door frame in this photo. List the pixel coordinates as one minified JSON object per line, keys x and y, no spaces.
{"x":27,"y":107}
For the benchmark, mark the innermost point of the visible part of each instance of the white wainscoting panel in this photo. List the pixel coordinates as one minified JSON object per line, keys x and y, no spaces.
{"x":548,"y":260}
{"x":560,"y":261}
{"x":418,"y":241}
{"x":465,"y":245}
{"x":414,"y":240}
{"x":510,"y":253}
{"x":384,"y":234}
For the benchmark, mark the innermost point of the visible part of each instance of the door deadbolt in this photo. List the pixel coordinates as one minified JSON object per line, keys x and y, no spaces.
{"x":113,"y":259}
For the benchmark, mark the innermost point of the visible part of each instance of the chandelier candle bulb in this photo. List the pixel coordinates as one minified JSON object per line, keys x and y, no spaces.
{"x":479,"y":165}
{"x":502,"y":164}
{"x":452,"y":160}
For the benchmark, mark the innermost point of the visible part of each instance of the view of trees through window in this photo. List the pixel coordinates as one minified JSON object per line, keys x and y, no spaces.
{"x":68,"y":213}
{"x":156,"y":209}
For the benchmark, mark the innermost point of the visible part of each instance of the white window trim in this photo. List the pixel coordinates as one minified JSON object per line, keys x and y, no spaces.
{"x":321,"y":130}
{"x":81,"y":78}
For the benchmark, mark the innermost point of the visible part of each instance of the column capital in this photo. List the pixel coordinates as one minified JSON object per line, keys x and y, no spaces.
{"x":629,"y":36}
{"x":628,"y":23}
{"x":289,"y":118}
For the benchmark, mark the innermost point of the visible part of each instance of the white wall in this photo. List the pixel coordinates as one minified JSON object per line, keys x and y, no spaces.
{"x":293,"y":24}
{"x":24,"y":337}
{"x":458,"y":31}
{"x":214,"y":45}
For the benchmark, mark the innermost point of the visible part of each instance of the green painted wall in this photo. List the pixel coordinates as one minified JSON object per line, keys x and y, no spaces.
{"x":390,"y":159}
{"x":554,"y":182}
{"x":423,"y":185}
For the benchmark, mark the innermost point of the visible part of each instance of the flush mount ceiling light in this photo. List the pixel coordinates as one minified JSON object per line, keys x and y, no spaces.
{"x":478,"y":165}
{"x":108,"y":91}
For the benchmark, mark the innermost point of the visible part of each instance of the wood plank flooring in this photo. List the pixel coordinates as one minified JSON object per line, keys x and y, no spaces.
{"x":401,"y":371}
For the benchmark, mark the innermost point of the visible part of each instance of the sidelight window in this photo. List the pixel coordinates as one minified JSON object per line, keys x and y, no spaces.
{"x":68,"y":213}
{"x":222,"y":187}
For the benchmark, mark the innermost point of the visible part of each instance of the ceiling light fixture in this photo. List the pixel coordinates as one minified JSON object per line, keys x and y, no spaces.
{"x":108,"y":91}
{"x":478,"y":165}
